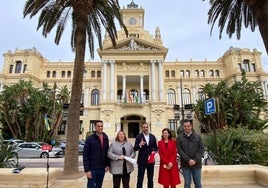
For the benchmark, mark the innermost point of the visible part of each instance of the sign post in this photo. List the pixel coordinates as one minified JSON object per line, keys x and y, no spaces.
{"x":47,"y":148}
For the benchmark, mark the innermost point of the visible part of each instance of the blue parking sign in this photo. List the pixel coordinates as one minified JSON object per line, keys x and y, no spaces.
{"x":210,"y":106}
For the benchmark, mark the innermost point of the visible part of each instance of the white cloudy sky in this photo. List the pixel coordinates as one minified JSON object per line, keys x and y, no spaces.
{"x":183,"y":25}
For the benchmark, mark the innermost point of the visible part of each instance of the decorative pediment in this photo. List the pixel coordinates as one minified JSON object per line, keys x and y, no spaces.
{"x":135,"y":44}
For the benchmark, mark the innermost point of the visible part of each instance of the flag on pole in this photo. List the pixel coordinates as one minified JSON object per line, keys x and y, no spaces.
{"x":130,"y":97}
{"x":136,"y":97}
{"x":46,"y":122}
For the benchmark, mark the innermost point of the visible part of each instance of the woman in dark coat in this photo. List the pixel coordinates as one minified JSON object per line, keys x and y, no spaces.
{"x":168,"y":171}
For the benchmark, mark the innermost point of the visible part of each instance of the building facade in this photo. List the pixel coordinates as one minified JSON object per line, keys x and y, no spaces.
{"x":133,"y":83}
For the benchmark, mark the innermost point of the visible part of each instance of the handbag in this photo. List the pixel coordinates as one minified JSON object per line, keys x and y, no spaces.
{"x":151,"y":158}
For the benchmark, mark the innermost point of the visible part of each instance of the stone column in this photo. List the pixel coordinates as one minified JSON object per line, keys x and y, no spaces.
{"x":104,"y":80}
{"x":141,"y":89}
{"x":124,"y":88}
{"x":264,"y":88}
{"x":153,"y":80}
{"x":160,"y":80}
{"x":112,"y":81}
{"x":87,"y":97}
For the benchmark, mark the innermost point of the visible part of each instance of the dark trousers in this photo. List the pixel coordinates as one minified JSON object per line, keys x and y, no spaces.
{"x":150,"y":175}
{"x":97,"y":179}
{"x":117,"y":180}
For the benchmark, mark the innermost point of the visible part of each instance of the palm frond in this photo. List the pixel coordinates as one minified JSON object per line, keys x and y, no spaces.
{"x":61,"y":25}
{"x":231,"y":14}
{"x":32,"y":7}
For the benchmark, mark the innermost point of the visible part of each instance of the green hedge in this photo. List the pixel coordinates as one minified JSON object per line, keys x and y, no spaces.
{"x":254,"y":146}
{"x":239,"y":146}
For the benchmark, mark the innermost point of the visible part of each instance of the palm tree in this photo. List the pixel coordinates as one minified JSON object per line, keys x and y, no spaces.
{"x":88,"y":17}
{"x":22,"y":109}
{"x":234,"y":13}
{"x":13,"y":105}
{"x":246,"y":100}
{"x":237,"y":105}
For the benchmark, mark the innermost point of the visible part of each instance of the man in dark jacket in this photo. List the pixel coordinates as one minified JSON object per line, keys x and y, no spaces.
{"x":191,"y":149}
{"x":95,"y":158}
{"x":145,"y":143}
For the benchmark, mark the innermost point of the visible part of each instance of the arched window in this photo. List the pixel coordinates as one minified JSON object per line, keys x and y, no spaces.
{"x":196,"y":72}
{"x":95,"y":97}
{"x":182,"y":73}
{"x":187,"y":74}
{"x":211,"y":73}
{"x":186,"y":96}
{"x":18,"y":67}
{"x":217,"y":73}
{"x":201,"y":95}
{"x":171,"y":96}
{"x":202,"y":73}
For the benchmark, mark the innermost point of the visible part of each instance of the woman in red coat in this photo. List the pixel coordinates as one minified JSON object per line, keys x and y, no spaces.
{"x":168,"y":171}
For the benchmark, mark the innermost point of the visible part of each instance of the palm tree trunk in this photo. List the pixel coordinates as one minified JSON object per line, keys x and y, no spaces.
{"x":73,"y":122}
{"x":260,"y":8}
{"x":56,"y":125}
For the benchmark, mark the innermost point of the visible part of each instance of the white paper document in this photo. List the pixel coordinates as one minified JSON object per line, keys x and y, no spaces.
{"x":131,"y":160}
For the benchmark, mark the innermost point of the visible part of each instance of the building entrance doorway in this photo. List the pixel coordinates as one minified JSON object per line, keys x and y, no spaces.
{"x":130,"y":124}
{"x":133,"y":129}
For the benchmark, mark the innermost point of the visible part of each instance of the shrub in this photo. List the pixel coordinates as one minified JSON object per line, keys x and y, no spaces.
{"x":255,"y":146}
{"x":239,"y":146}
{"x":7,"y":159}
{"x":224,"y":146}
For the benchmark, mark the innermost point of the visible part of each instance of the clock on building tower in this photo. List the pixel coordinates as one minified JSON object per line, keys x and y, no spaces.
{"x":132,"y":21}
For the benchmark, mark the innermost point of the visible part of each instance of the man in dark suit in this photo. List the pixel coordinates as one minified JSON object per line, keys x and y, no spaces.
{"x":145,"y":143}
{"x":95,"y":158}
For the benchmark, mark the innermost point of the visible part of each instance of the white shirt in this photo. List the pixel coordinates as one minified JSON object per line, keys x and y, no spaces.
{"x":146,"y":138}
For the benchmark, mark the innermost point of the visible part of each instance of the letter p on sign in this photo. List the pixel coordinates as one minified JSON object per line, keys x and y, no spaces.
{"x":210,"y":106}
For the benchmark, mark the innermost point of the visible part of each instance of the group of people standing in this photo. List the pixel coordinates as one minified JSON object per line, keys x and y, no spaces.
{"x":99,"y":157}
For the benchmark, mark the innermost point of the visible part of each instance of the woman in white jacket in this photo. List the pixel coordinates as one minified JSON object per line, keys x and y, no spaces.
{"x":121,"y":168}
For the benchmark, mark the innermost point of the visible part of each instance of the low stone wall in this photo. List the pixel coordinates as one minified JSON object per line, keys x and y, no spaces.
{"x":28,"y":177}
{"x":220,"y":175}
{"x":235,"y":174}
{"x":261,"y":175}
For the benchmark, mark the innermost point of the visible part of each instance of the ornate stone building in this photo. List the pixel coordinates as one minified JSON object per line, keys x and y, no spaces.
{"x":133,"y":82}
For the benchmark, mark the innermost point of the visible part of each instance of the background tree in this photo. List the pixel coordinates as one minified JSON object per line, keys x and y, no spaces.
{"x":237,"y":105}
{"x":218,"y":119}
{"x":87,"y":18}
{"x":23,"y":109}
{"x":233,"y":14}
{"x":246,"y":101}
